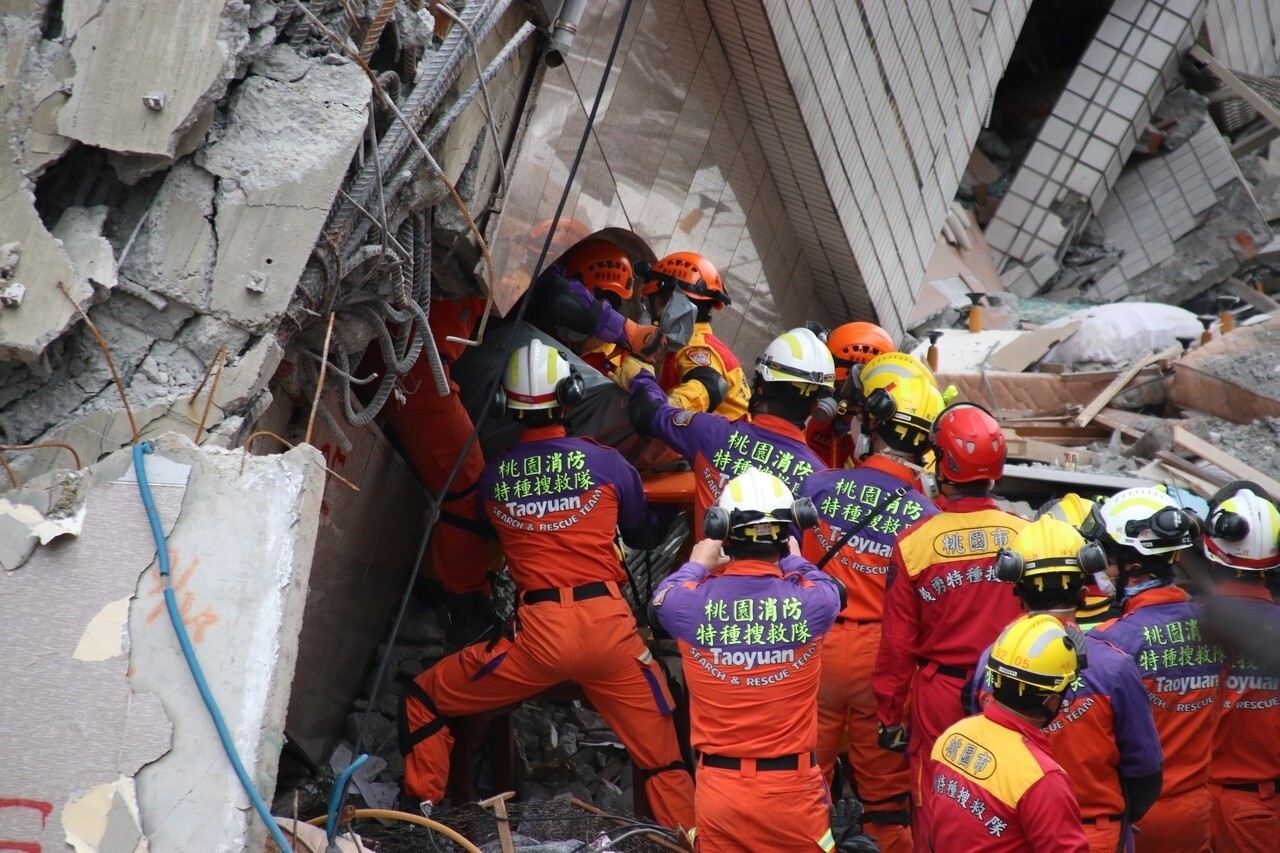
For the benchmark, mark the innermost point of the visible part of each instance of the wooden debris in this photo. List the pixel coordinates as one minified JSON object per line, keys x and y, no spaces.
{"x":1117,"y":384}
{"x":1017,"y":355}
{"x":1233,"y":466}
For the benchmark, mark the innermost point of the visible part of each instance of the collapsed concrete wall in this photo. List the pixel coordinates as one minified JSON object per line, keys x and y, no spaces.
{"x":117,"y":750}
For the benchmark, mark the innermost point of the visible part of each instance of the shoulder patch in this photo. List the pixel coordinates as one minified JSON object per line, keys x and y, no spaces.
{"x":700,"y":357}
{"x":682,"y":418}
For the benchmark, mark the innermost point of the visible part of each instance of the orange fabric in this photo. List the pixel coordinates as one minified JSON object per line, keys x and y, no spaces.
{"x":677,"y":487}
{"x":741,"y":811}
{"x":593,"y":643}
{"x":1177,"y":824}
{"x":1245,"y":821}
{"x":881,"y":777}
{"x":935,"y":706}
{"x":433,"y":431}
{"x":456,"y":318}
{"x":835,"y":450}
{"x":1103,"y":835}
{"x":1246,"y":745}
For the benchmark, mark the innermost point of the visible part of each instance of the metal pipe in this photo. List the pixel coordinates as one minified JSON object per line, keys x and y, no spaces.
{"x":563,"y":30}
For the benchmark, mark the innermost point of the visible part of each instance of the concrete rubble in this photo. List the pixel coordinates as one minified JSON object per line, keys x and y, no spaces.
{"x":209,"y":195}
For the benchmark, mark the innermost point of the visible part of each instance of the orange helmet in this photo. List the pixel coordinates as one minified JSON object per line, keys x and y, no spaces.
{"x":857,"y":343}
{"x":600,"y":265}
{"x":692,"y":273}
{"x":568,"y":232}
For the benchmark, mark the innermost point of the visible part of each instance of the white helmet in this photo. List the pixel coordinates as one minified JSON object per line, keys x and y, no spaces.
{"x":757,"y":506}
{"x":539,"y":377}
{"x":797,"y":356}
{"x":1148,"y":520}
{"x":1243,"y":528}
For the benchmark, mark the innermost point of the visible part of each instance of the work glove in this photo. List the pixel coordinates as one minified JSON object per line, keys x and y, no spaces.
{"x":566,"y":302}
{"x":893,"y":737}
{"x":644,"y":341}
{"x":846,"y":828}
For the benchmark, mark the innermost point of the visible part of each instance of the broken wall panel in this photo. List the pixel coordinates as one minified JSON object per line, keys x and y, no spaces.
{"x":141,"y":82}
{"x":1158,"y":200}
{"x":117,"y":748}
{"x":273,"y":195}
{"x":366,"y":545}
{"x":867,"y":139}
{"x":1245,"y":34}
{"x":1086,"y":140}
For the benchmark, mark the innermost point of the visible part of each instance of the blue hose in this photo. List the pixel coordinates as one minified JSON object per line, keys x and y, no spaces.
{"x":175,"y":616}
{"x":335,"y":797}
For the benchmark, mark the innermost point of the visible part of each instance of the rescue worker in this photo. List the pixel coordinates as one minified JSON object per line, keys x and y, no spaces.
{"x":555,"y":502}
{"x":704,"y":375}
{"x":750,"y":626}
{"x":1099,"y":591}
{"x":993,"y":782}
{"x":1106,"y":738}
{"x":1145,"y":533}
{"x":830,"y":432}
{"x":582,"y":294}
{"x":1242,"y":534}
{"x":861,"y":511}
{"x":433,"y":431}
{"x":943,"y":604}
{"x":791,"y":373}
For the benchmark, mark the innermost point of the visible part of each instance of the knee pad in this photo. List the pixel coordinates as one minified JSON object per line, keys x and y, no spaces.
{"x":411,"y":738}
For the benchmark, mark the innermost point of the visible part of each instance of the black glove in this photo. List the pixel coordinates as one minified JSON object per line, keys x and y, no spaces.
{"x":893,"y":737}
{"x":846,"y":828}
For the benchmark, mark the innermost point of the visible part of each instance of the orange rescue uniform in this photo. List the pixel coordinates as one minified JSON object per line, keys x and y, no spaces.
{"x":1160,"y":630}
{"x":556,"y":502}
{"x":1244,"y":772}
{"x":433,"y":430}
{"x":705,"y":352}
{"x":878,"y":497}
{"x":943,"y":607}
{"x":750,"y":636}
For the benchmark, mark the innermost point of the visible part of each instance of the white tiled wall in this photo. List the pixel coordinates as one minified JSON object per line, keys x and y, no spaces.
{"x":1245,"y":34}
{"x":1110,"y":97}
{"x":1158,"y":200}
{"x":867,"y":111}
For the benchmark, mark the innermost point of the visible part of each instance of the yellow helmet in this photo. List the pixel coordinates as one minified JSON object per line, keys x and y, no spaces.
{"x":1033,"y":656}
{"x":1071,"y":508}
{"x":903,"y":365}
{"x":901,"y":407}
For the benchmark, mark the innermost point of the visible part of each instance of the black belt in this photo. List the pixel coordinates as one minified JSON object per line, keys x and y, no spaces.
{"x":1110,"y":818}
{"x":955,"y":671}
{"x":599,"y":589}
{"x":1254,"y":787}
{"x":782,"y":762}
{"x":844,"y":621}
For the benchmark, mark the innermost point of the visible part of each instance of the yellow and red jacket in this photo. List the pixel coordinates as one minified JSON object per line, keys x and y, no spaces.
{"x":1105,"y":732}
{"x":1246,"y":746}
{"x":705,"y":354}
{"x":1160,"y":630}
{"x":556,"y":502}
{"x":943,"y":604}
{"x":750,"y":636}
{"x":848,"y":497}
{"x":992,"y":785}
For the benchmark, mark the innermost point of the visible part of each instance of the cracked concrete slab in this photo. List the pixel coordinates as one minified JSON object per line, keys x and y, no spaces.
{"x":119,"y":753}
{"x":80,"y":230}
{"x":128,"y":53}
{"x":274,"y":196}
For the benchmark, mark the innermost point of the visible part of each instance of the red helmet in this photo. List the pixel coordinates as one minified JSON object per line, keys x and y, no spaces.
{"x":692,"y":273}
{"x":857,"y":343}
{"x":600,"y":265}
{"x":969,"y":444}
